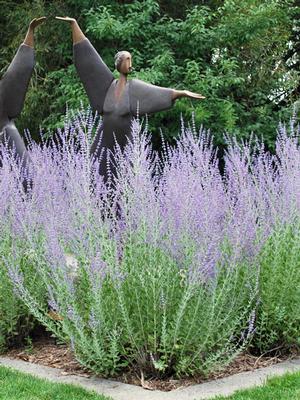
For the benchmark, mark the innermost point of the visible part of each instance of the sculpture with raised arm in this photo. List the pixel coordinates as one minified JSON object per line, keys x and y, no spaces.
{"x":13,"y":88}
{"x":118,"y":101}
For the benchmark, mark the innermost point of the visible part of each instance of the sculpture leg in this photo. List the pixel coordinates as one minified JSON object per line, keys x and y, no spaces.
{"x":12,"y":137}
{"x":99,"y":152}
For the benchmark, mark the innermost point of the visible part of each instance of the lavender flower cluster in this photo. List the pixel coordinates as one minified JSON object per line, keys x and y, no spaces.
{"x":164,"y":224}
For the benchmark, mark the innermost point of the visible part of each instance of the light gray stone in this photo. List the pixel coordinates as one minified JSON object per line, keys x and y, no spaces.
{"x":122,"y":391}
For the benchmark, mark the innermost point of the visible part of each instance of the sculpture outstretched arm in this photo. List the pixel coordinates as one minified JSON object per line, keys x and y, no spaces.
{"x":93,"y":72}
{"x":186,"y":93}
{"x":16,"y":79}
{"x":146,"y":98}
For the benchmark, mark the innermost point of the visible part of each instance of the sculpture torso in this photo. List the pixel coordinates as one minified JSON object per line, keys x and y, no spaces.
{"x":13,"y":87}
{"x":4,"y":120}
{"x":116,"y":116}
{"x":2,"y":113}
{"x":137,"y":97}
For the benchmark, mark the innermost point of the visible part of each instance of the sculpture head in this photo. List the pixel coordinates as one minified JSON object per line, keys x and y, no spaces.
{"x":123,"y":62}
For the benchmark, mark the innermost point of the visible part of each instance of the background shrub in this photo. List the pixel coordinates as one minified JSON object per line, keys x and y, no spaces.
{"x":241,"y":55}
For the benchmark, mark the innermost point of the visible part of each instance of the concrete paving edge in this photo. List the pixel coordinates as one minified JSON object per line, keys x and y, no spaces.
{"x":122,"y":391}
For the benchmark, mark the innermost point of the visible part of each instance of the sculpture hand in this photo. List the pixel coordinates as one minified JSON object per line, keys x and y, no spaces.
{"x":77,"y":34}
{"x":186,"y":93}
{"x":29,"y":39}
{"x":36,"y":22}
{"x":67,"y":19}
{"x":193,"y":95}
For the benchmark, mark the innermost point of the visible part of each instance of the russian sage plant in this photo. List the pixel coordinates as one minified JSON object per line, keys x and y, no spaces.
{"x":16,"y":321}
{"x":278,"y":319}
{"x":159,"y":268}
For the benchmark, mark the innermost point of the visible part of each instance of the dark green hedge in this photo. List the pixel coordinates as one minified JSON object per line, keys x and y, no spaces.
{"x":241,"y":54}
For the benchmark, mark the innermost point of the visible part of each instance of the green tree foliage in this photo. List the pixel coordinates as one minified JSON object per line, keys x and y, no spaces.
{"x":240,"y":54}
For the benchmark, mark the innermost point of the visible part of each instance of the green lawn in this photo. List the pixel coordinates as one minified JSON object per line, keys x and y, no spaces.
{"x":17,"y":386}
{"x":283,"y":388}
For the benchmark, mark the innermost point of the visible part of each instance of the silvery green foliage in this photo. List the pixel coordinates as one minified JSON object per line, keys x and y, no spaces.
{"x":158,"y":268}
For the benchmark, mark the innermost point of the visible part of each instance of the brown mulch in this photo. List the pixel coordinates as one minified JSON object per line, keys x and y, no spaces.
{"x":46,"y":352}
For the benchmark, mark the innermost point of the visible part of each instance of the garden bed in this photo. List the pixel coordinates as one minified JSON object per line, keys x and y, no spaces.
{"x":45,"y":351}
{"x":170,"y":272}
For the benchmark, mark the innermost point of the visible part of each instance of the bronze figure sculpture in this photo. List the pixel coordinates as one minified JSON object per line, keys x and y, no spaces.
{"x":118,"y":101}
{"x":13,"y":88}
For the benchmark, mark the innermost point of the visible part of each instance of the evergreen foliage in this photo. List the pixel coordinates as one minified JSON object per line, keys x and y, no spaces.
{"x":240,"y":54}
